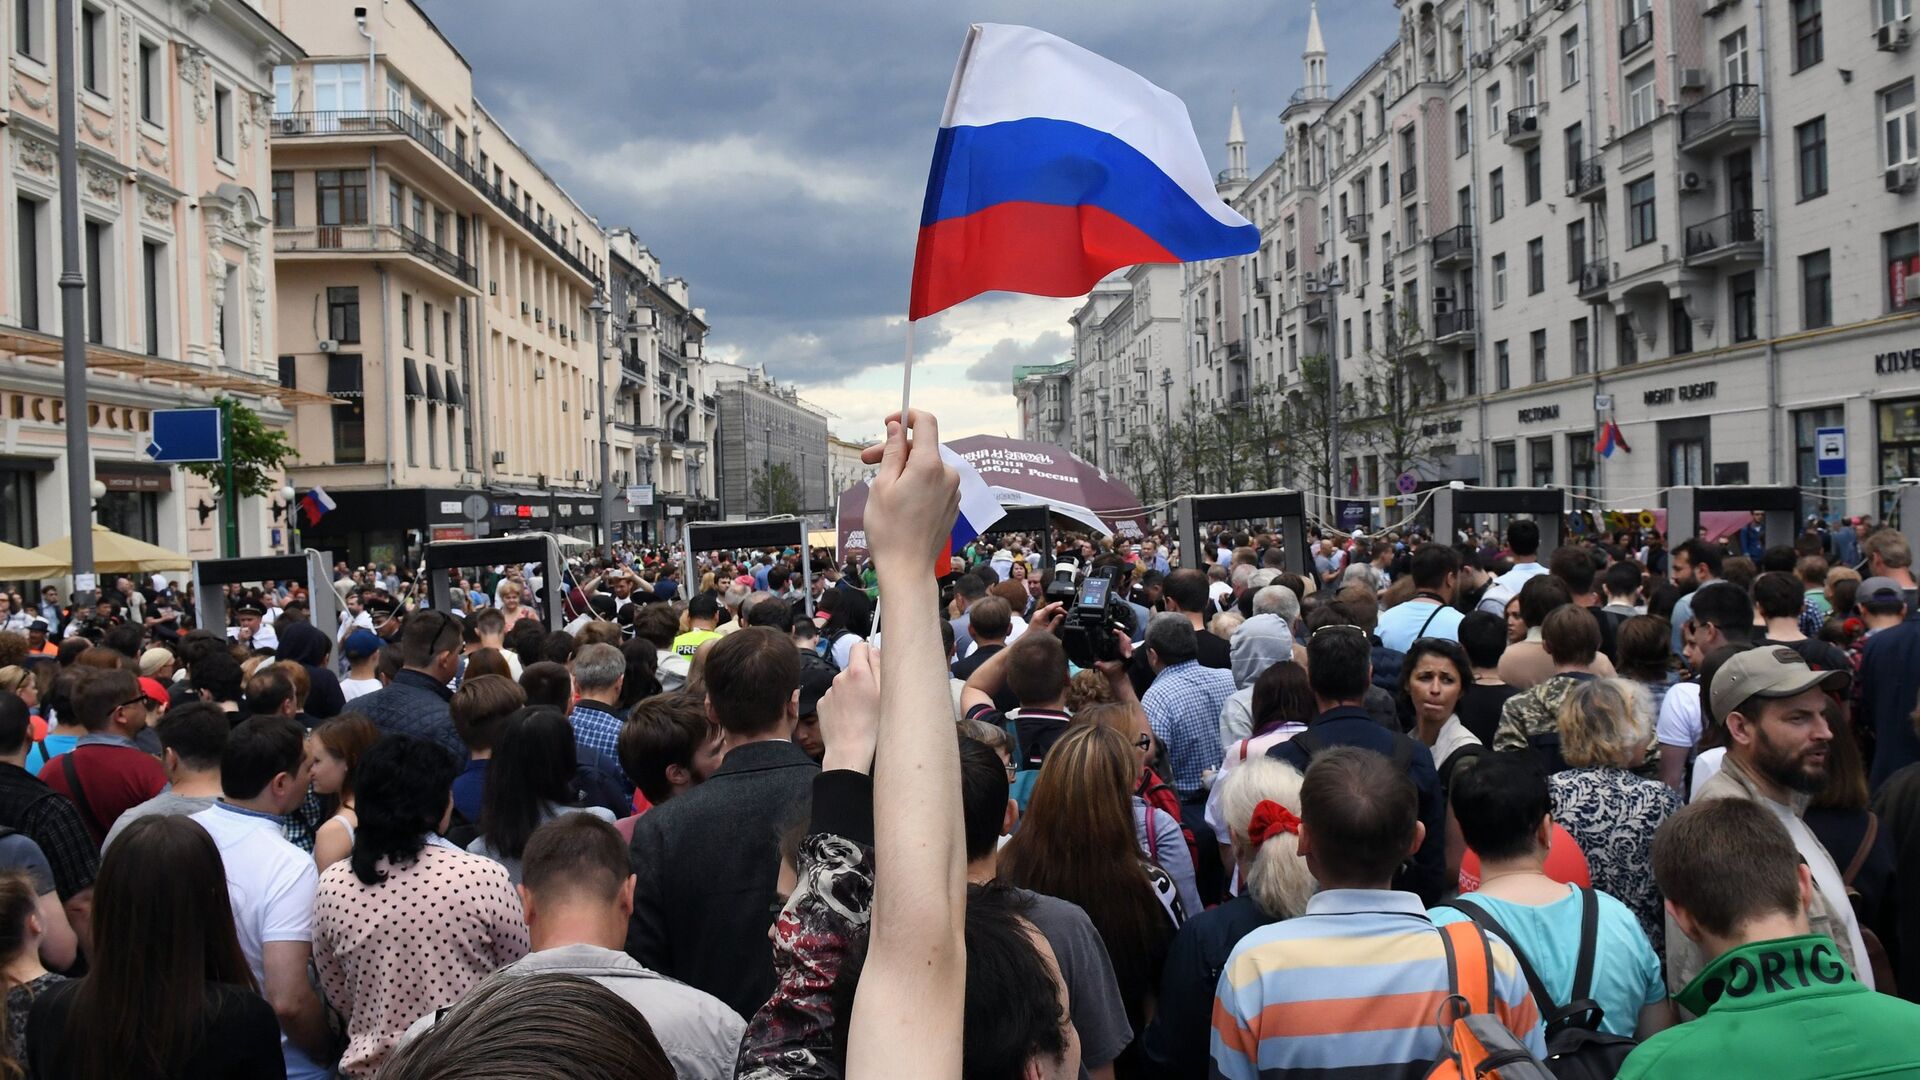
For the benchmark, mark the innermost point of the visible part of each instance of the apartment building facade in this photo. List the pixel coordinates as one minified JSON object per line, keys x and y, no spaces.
{"x":1041,"y":393}
{"x":434,"y":281}
{"x":176,"y":256}
{"x":663,"y":407}
{"x":1692,"y":218}
{"x":766,"y":427}
{"x":1129,"y":372}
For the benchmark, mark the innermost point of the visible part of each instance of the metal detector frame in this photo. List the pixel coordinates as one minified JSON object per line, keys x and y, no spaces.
{"x":783,"y":531}
{"x":1289,"y":507}
{"x":526,"y":547}
{"x":1779,"y":502}
{"x":1907,"y":505}
{"x":1028,"y":518}
{"x":212,"y":576}
{"x":1546,"y":505}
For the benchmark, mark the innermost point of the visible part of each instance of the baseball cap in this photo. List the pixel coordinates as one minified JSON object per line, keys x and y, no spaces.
{"x":154,"y":691}
{"x":361,"y":644}
{"x":1772,"y":671}
{"x":154,"y":659}
{"x":1879,"y":590}
{"x":815,"y":681}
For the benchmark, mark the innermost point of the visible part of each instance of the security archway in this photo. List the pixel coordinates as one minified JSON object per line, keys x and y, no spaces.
{"x":533,"y":547}
{"x":773,"y":532}
{"x":1456,"y":501}
{"x":1285,"y":507}
{"x":310,"y":569}
{"x":1778,"y":502}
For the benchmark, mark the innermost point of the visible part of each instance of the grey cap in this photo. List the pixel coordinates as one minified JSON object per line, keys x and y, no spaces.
{"x":1772,"y":671}
{"x":1879,"y":590}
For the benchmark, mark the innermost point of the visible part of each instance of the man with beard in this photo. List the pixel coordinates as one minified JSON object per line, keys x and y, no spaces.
{"x":1777,"y":746}
{"x":1695,"y":563}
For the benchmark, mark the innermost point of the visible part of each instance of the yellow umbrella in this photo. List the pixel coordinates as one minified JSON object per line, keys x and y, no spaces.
{"x":19,"y":564}
{"x":116,"y":554}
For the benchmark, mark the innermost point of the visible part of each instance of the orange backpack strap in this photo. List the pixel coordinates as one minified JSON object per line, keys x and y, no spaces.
{"x":1470,"y":964}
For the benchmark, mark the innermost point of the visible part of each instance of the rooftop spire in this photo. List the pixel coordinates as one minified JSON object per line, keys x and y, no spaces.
{"x":1236,"y":145}
{"x":1316,"y":46}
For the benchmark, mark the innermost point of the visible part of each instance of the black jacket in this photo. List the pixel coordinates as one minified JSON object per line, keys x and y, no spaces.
{"x":414,"y":704}
{"x":707,"y":861}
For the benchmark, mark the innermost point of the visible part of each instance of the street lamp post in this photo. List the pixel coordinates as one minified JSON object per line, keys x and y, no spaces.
{"x":599,"y":309}
{"x":73,"y":326}
{"x":1331,"y":288}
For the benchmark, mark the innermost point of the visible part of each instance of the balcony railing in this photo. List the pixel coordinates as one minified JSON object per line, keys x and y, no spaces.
{"x":1356,"y":227}
{"x":1409,"y":179}
{"x":1589,"y":178}
{"x":1523,"y":125}
{"x":374,"y":238}
{"x":1260,"y":288}
{"x":1453,"y":245}
{"x":1723,"y":112}
{"x":362,"y":122}
{"x":1316,"y":311}
{"x":1729,"y":230}
{"x":1637,"y":34}
{"x":1594,"y":277}
{"x":1451,"y":324}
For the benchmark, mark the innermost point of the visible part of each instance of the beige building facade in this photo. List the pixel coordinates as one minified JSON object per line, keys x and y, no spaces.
{"x":177,"y":252}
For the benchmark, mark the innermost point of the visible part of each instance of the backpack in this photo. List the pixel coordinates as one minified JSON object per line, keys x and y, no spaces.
{"x":1475,"y":1045}
{"x":1576,"y":1047}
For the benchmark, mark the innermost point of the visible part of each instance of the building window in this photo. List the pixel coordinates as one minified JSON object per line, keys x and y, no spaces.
{"x":282,"y":89}
{"x":1810,"y":140}
{"x":1570,"y":57}
{"x":1469,"y":372}
{"x":1743,"y":299}
{"x":341,"y":195}
{"x":1580,"y":462}
{"x":27,"y":245}
{"x":1531,"y":163}
{"x":94,"y":62}
{"x":1686,"y":461}
{"x":1579,"y":347}
{"x":1505,"y":465}
{"x":344,"y":382}
{"x":223,"y":123}
{"x":1898,"y":125}
{"x":1540,"y":460}
{"x":289,"y":372}
{"x":1899,"y":430}
{"x":1576,"y":248}
{"x":406,"y":320}
{"x":1816,"y":290}
{"x":1820,"y":495}
{"x":1574,"y":142}
{"x":1496,"y":123}
{"x":1386,"y":183}
{"x":1499,"y":279}
{"x":1626,"y":344}
{"x":343,"y":314}
{"x":30,"y":29}
{"x":339,"y":88}
{"x":412,"y":415}
{"x":1809,"y":48}
{"x":1536,"y":266}
{"x":1462,"y":132}
{"x":1537,"y":341}
{"x":152,"y":71}
{"x":19,"y":508}
{"x":426,"y":327}
{"x":1496,"y":195}
{"x":1902,"y":262}
{"x":1641,"y":225}
{"x":1679,"y":329}
{"x":1734,"y":68}
{"x":97,"y":256}
{"x":1891,"y":10}
{"x":283,"y":199}
{"x":153,"y":262}
{"x":1640,"y":103}
{"x":1502,"y":366}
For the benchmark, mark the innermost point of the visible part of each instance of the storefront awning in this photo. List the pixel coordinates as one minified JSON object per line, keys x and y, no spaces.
{"x":434,"y":393}
{"x":456,"y":397}
{"x":140,"y":366}
{"x":411,"y":375}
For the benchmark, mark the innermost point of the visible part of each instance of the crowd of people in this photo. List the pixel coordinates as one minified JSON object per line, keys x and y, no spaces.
{"x":1391,"y":804}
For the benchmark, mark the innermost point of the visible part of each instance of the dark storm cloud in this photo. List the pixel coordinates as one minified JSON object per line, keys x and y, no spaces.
{"x":774,"y":154}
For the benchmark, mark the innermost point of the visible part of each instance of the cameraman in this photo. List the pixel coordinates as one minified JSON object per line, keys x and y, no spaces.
{"x":1034,"y":670}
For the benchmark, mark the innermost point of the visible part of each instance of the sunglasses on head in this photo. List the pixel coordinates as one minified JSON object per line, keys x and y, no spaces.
{"x":1330,"y":627}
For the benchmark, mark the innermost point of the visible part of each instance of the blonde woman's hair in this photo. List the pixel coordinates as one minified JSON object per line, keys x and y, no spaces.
{"x":1277,"y":875}
{"x":1224,"y":623}
{"x":1605,"y":722}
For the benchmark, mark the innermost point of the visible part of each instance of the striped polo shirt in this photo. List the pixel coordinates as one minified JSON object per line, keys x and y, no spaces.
{"x":1353,"y":988}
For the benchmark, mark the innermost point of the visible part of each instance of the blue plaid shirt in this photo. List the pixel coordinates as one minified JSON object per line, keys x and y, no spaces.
{"x":598,"y":730}
{"x":1183,"y":706}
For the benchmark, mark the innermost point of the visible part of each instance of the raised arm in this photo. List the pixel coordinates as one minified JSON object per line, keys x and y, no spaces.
{"x":908,"y":1014}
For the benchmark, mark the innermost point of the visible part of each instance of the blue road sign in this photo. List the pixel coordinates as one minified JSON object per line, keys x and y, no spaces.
{"x":185,"y":435}
{"x":1830,"y":451}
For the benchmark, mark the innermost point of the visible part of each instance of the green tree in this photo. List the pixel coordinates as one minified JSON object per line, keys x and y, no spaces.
{"x":259,"y":453}
{"x":1400,"y":392}
{"x":775,"y":489}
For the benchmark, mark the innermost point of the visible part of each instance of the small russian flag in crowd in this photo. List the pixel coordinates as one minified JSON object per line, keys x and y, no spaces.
{"x":979,"y":509}
{"x":1054,"y":167}
{"x":1610,"y":440}
{"x":315,"y":504}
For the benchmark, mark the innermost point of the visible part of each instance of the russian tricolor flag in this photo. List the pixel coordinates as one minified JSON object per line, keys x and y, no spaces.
{"x":1611,"y":439}
{"x":316,"y":504}
{"x":1055,"y":167}
{"x":979,"y":509}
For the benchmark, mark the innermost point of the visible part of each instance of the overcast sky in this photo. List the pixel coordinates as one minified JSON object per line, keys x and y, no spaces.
{"x":775,"y":155}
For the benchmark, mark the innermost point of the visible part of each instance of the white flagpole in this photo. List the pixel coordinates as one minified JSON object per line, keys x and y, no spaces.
{"x":906,"y":377}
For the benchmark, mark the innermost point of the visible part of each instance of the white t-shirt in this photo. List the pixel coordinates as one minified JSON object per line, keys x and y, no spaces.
{"x":353,"y":688}
{"x":1679,"y":723}
{"x":272,"y":886}
{"x":1704,"y":767}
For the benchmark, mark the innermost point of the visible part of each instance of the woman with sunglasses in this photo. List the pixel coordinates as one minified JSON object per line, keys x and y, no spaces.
{"x":1156,"y":809}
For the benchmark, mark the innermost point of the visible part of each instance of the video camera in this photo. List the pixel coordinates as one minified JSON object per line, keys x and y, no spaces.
{"x":1098,"y":608}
